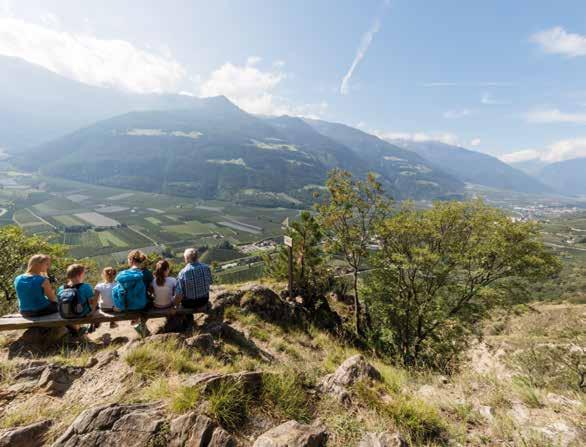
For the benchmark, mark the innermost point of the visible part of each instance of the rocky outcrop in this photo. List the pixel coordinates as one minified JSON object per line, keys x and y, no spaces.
{"x":384,"y":439}
{"x":56,"y":380}
{"x":127,"y":425}
{"x":354,"y":369}
{"x":193,"y":430}
{"x":265,"y":303}
{"x":53,"y":379}
{"x":293,"y":434}
{"x":251,"y":381}
{"x":202,"y":342}
{"x":28,"y":436}
{"x":221,"y":438}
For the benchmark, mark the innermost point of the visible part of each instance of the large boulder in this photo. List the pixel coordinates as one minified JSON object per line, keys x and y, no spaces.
{"x":28,"y":436}
{"x":191,"y":430}
{"x":265,"y":303}
{"x":354,"y":369}
{"x":293,"y":434}
{"x":384,"y":439}
{"x":127,"y":425}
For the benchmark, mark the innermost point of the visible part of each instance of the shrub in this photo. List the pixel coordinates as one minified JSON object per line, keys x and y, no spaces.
{"x":285,"y":395}
{"x":440,"y":272}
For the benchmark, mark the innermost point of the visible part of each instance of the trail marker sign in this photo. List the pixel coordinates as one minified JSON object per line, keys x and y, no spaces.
{"x":288,"y":241}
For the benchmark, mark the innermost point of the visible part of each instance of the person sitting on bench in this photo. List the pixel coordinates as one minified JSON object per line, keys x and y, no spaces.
{"x":34,"y":291}
{"x":193,"y":282}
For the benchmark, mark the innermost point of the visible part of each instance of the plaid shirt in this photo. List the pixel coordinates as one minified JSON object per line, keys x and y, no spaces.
{"x":194,"y":281}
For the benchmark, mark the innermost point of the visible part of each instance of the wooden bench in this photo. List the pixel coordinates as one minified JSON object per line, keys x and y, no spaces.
{"x":17,"y":321}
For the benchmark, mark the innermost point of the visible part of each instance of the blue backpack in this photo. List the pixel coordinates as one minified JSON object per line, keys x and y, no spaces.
{"x":130,"y":292}
{"x":70,"y":304}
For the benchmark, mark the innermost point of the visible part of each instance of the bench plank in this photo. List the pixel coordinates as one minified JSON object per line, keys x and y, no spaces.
{"x":17,"y":321}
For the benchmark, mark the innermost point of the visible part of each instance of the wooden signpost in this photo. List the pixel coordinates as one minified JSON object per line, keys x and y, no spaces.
{"x":289,"y":243}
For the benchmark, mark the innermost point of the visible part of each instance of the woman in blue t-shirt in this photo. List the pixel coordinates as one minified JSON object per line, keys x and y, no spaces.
{"x":35,"y":294}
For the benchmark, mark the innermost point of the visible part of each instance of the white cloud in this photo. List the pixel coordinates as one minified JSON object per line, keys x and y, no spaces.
{"x":83,"y":57}
{"x":544,"y":115}
{"x":559,"y":151}
{"x":558,"y":41}
{"x":444,"y":137}
{"x":566,"y":150}
{"x":467,"y":84}
{"x":475,"y":142}
{"x":365,"y":42}
{"x":488,"y":99}
{"x":522,"y":155}
{"x":455,"y":114}
{"x":254,"y":89}
{"x":360,"y":53}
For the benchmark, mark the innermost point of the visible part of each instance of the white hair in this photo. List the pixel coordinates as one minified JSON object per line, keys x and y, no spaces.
{"x":190,"y":254}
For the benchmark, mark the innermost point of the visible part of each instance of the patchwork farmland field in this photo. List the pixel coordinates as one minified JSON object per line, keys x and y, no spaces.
{"x":104,"y":223}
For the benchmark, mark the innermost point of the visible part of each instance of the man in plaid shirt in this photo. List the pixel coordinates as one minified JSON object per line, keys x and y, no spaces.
{"x":193,"y":282}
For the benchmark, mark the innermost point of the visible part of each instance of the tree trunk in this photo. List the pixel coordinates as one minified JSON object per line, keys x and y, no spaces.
{"x":357,"y":312}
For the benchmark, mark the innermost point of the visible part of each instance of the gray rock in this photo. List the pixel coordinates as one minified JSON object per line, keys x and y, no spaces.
{"x":221,"y":438}
{"x":56,"y":380}
{"x":169,"y":337}
{"x":28,"y":436}
{"x":250,"y":380}
{"x":124,"y":425}
{"x":191,"y":430}
{"x":384,"y":439}
{"x":108,"y":357}
{"x":202,"y":342}
{"x":265,"y":303}
{"x":293,"y":434}
{"x":353,"y":369}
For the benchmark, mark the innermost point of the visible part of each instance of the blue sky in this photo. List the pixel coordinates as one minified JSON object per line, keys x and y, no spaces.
{"x":503,"y":77}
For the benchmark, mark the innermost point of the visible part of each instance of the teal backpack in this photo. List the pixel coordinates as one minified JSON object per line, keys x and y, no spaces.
{"x":130,"y":292}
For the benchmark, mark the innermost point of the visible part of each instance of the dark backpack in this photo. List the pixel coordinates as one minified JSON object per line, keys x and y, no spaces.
{"x":69,"y":303}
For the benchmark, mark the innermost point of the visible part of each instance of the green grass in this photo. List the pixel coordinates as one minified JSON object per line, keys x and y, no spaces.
{"x":530,"y":395}
{"x":229,"y":404}
{"x":284,"y":396}
{"x":184,"y":399}
{"x":155,"y":359}
{"x":153,"y":220}
{"x":417,"y":419}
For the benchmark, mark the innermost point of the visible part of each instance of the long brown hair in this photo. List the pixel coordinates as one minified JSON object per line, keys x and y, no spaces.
{"x":160,"y":269}
{"x":36,"y":260}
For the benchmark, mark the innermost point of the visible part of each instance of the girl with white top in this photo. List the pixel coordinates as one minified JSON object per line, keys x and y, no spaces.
{"x":103,"y":292}
{"x":163,"y":286}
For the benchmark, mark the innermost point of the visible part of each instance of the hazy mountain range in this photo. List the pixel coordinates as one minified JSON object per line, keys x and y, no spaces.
{"x":210,"y":148}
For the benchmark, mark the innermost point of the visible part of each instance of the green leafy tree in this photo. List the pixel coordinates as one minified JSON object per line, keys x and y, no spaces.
{"x":439,"y":272}
{"x":15,"y":248}
{"x":348,"y":217}
{"x":311,"y":277}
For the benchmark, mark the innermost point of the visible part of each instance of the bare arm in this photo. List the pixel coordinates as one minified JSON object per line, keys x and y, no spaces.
{"x":48,"y":290}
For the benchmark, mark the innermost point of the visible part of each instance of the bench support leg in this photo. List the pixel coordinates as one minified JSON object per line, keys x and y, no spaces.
{"x":143,"y":330}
